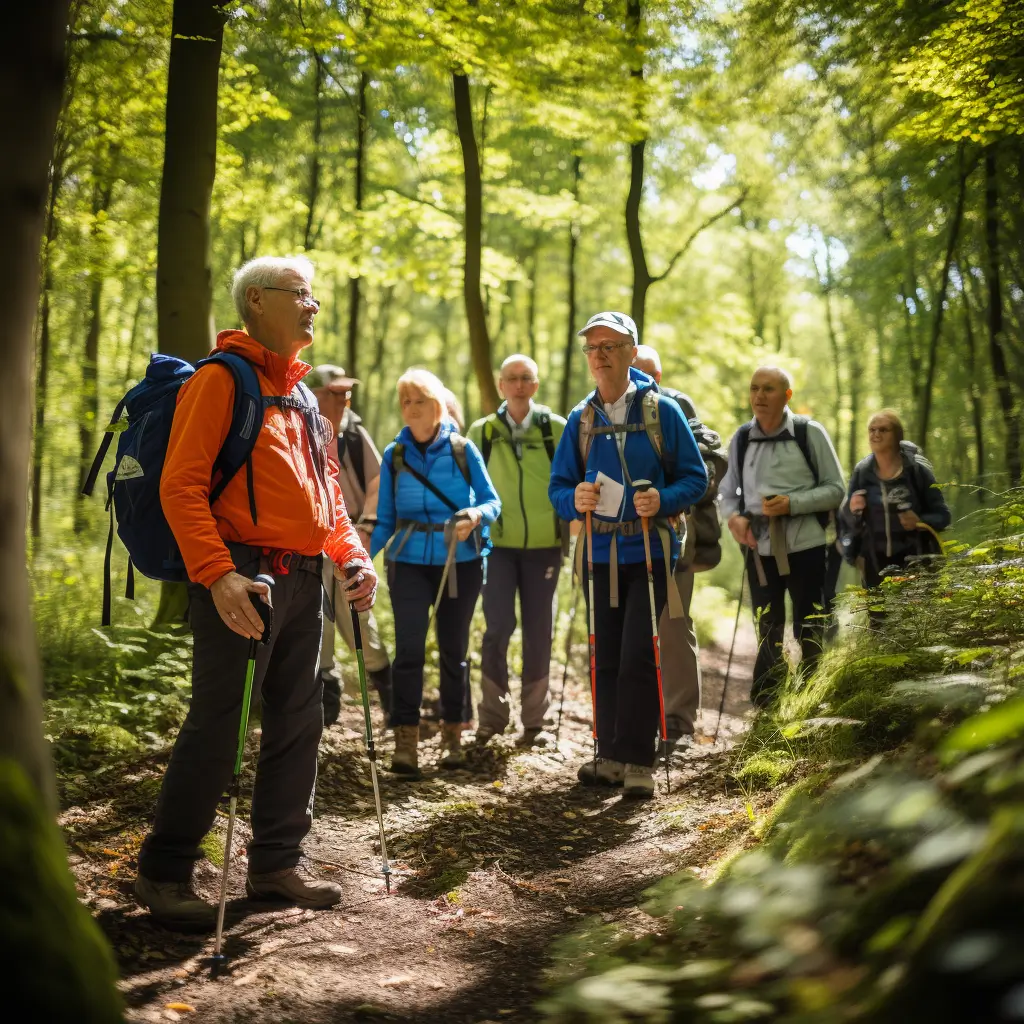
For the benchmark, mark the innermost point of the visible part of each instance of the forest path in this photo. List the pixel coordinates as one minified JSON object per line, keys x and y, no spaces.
{"x":492,"y":864}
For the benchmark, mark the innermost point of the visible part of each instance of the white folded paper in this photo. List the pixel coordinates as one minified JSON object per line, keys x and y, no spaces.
{"x":610,"y":499}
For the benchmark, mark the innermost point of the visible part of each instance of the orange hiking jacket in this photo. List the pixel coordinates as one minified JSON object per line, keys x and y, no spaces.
{"x":293,"y":511}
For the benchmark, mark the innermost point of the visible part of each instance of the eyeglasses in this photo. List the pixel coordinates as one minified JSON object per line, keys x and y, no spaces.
{"x":525,"y":379}
{"x":304,"y":297}
{"x":606,"y":349}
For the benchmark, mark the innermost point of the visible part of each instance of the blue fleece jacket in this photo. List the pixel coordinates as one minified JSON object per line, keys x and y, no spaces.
{"x":407,"y":498}
{"x":679,"y":475}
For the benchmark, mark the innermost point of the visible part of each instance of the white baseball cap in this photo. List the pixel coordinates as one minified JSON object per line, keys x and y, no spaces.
{"x":618,"y":322}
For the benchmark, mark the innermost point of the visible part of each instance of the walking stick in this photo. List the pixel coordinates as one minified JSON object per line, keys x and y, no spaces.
{"x":641,"y":486}
{"x":593,"y":644}
{"x":565,"y":671}
{"x":266,"y":614}
{"x":732,"y":647}
{"x":371,"y":751}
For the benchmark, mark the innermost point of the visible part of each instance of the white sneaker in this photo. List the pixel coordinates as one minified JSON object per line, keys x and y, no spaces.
{"x":607,"y":773}
{"x":638,"y":781}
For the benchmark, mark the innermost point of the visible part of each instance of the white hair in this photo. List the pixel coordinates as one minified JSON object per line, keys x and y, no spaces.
{"x":520,"y":358}
{"x":264,"y":272}
{"x":646,"y":354}
{"x":779,"y":372}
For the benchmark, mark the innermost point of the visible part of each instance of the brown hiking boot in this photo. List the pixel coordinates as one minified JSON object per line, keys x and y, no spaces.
{"x":452,"y":754}
{"x":534,"y":738}
{"x":290,"y":887}
{"x":176,"y":905}
{"x":406,"y":758}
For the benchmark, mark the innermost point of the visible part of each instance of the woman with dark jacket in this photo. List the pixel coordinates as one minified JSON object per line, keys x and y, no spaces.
{"x":893,"y":506}
{"x":435,"y":502}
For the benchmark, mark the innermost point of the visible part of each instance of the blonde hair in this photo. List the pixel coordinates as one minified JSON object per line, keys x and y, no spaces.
{"x":894,"y":419}
{"x":426,"y":384}
{"x":454,"y":408}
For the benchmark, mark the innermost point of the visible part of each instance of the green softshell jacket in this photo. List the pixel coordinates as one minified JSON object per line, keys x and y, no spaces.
{"x":520,"y":473}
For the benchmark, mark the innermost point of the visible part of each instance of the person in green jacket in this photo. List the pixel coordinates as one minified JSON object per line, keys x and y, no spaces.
{"x":518,"y":443}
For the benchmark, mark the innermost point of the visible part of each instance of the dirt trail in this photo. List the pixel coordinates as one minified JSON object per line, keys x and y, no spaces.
{"x":492,"y":863}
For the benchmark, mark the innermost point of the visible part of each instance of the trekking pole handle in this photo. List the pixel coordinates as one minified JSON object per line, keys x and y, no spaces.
{"x":352,"y":571}
{"x":642,"y":485}
{"x":264,"y":609}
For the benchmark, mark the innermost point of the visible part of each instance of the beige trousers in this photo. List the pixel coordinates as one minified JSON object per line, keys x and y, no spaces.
{"x":374,"y":654}
{"x":680,"y":662}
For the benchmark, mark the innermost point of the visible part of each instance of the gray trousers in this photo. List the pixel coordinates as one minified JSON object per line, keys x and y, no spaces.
{"x":680,"y":663}
{"x":375,"y":656}
{"x":287,"y":683}
{"x":534,"y":574}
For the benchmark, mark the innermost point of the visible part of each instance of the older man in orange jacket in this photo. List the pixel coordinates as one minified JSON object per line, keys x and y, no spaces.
{"x":278,"y":514}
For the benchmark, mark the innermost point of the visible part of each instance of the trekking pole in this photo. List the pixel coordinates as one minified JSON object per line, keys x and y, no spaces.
{"x":565,"y":672}
{"x":265,"y":610}
{"x":642,"y":486}
{"x":592,"y":642}
{"x":371,"y":750}
{"x":732,"y":648}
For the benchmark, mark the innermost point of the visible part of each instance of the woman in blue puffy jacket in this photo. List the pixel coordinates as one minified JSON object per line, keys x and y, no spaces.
{"x":436,"y":500}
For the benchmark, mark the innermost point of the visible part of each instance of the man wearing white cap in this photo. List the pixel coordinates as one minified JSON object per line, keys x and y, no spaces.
{"x":359,"y":475}
{"x":626,"y":454}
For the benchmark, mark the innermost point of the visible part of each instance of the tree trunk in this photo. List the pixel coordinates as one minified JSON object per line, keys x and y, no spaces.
{"x":641,"y":272}
{"x":977,"y":408}
{"x":89,"y":413}
{"x":940,"y":302}
{"x":479,"y":339}
{"x":55,"y":960}
{"x":308,"y":234}
{"x":184,"y":278}
{"x":571,"y":339}
{"x":1004,"y":387}
{"x":352,"y":347}
{"x":531,"y":300}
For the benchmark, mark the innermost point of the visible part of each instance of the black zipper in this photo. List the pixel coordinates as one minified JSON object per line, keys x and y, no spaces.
{"x":522,"y":500}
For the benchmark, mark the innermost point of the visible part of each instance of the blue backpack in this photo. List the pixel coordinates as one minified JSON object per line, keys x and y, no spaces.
{"x":133,"y":485}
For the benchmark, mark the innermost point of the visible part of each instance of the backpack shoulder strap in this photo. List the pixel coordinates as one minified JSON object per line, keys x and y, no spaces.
{"x":458,"y":443}
{"x":487,"y":440}
{"x":742,"y":443}
{"x":542,"y":414}
{"x":586,"y":434}
{"x":652,"y":420}
{"x":800,"y":433}
{"x":246,"y":420}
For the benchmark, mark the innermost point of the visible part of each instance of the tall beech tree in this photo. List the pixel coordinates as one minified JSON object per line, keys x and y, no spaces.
{"x":57,"y":965}
{"x":184,"y":284}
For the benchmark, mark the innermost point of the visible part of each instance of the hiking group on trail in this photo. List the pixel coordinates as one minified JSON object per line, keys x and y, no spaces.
{"x":254,"y":462}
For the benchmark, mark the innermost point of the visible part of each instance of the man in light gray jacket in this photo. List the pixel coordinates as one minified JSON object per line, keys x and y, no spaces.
{"x":784,"y":481}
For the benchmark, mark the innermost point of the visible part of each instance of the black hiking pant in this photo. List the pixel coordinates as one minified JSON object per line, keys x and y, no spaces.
{"x":805,"y":586}
{"x":413,"y":591}
{"x":287,"y":684}
{"x":628,"y":709}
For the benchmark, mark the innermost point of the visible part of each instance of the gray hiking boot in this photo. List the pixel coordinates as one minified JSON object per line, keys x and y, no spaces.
{"x":638,"y":781}
{"x":484,"y":735}
{"x":607,"y":773}
{"x":534,"y":738}
{"x":406,"y":758}
{"x":289,"y":886}
{"x":452,"y":753}
{"x":176,"y":905}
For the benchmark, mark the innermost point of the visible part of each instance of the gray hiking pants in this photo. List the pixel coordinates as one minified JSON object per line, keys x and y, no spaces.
{"x":287,"y":684}
{"x":375,"y":655}
{"x":680,"y":663}
{"x":534,"y":574}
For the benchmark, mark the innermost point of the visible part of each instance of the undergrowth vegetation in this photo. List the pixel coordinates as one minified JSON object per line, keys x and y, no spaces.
{"x":889,"y":881}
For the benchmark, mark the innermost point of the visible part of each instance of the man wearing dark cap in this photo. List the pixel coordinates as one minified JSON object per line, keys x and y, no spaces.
{"x":358,"y":464}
